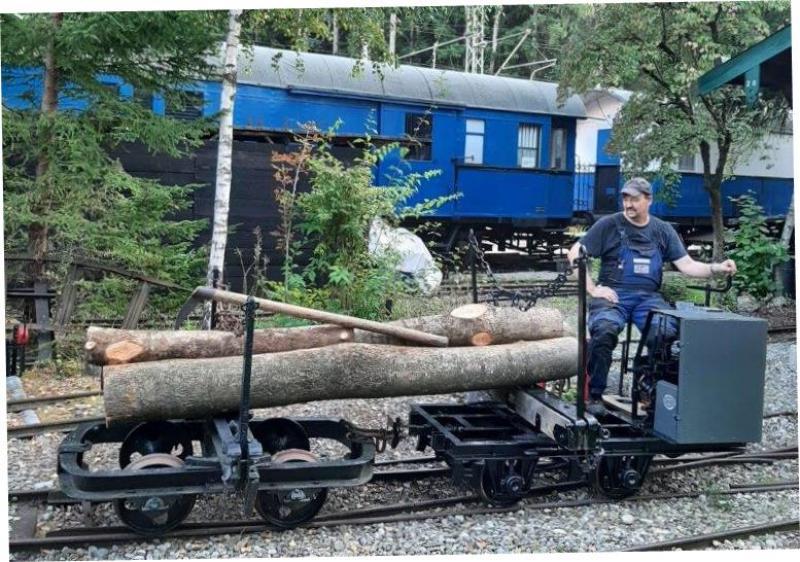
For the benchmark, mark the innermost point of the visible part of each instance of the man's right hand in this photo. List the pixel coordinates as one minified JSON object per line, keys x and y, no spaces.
{"x":601,"y":292}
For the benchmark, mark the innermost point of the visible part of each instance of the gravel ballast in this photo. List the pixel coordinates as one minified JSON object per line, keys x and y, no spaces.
{"x":603,"y":527}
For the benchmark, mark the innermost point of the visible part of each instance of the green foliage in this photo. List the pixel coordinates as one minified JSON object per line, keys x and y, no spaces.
{"x":60,"y":177}
{"x":756,"y":253}
{"x":659,"y":51}
{"x":676,"y":288}
{"x":332,"y":220}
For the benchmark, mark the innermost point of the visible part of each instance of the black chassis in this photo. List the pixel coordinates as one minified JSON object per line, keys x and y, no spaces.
{"x":217,"y":470}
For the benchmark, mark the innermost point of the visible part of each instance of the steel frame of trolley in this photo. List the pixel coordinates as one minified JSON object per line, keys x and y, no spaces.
{"x":499,"y":448}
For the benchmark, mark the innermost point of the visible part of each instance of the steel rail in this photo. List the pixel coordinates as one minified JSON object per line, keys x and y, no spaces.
{"x":16,"y":405}
{"x":708,"y":539}
{"x":63,"y":426}
{"x":364,"y":516}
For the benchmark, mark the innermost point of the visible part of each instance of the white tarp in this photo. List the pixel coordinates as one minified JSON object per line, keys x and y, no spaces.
{"x":415,"y":259}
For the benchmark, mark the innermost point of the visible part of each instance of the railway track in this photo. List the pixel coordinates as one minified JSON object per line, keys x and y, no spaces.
{"x":54,"y":496}
{"x":708,"y":540}
{"x":398,"y":512}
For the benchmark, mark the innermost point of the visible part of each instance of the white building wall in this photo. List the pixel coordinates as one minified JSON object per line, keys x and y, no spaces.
{"x":600,"y":112}
{"x":772,"y":159}
{"x":775,"y":161}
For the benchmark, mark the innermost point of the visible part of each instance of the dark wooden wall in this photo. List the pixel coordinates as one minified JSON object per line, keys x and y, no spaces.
{"x":252,"y":201}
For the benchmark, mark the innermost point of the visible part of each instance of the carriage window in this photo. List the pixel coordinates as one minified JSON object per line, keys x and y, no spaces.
{"x":686,"y":163}
{"x":528,"y":146}
{"x":419,"y":129}
{"x":558,"y":149}
{"x":192,"y":107}
{"x":473,"y":145}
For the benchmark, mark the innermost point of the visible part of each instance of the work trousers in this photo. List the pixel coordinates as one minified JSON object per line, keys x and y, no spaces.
{"x":606,"y":321}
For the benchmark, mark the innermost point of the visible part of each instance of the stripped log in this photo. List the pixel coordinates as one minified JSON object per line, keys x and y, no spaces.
{"x":109,"y":346}
{"x":322,"y":316}
{"x":467,"y":325}
{"x":198,"y":388}
{"x":480,"y":324}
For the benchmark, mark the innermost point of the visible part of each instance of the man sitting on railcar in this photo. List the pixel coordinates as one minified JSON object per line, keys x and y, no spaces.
{"x":633,"y":247}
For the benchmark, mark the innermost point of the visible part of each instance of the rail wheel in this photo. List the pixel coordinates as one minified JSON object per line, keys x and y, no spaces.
{"x":618,"y":477}
{"x":286,"y":509}
{"x":502,"y":483}
{"x":161,"y":437}
{"x":154,"y":515}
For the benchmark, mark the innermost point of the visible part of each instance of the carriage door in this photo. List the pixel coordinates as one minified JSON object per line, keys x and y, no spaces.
{"x":606,"y":189}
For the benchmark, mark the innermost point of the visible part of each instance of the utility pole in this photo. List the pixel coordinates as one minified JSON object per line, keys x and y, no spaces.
{"x":392,"y":33}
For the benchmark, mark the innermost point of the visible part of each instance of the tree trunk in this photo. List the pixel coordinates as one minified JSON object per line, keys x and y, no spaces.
{"x":110,"y":346}
{"x":495,"y":31}
{"x":468,"y":325}
{"x":222,"y":194}
{"x":38,"y":231}
{"x":786,"y":238}
{"x":392,"y":33}
{"x":200,"y":388}
{"x":334,"y":34}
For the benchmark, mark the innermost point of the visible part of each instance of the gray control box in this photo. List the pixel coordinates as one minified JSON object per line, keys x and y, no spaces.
{"x":719,"y":397}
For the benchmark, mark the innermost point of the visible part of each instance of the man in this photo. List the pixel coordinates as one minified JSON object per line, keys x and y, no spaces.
{"x":633,"y":247}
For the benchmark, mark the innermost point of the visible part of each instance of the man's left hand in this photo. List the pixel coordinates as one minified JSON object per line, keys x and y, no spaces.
{"x":728,"y":267}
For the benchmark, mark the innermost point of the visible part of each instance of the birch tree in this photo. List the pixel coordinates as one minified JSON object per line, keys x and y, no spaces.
{"x":222,"y":193}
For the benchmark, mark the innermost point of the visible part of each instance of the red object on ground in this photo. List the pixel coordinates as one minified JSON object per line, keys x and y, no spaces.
{"x":21,"y":335}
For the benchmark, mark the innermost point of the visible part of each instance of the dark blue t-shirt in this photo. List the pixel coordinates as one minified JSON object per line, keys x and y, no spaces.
{"x":604,"y":239}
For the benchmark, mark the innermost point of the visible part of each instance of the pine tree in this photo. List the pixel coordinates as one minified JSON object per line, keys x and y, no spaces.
{"x":76,"y":80}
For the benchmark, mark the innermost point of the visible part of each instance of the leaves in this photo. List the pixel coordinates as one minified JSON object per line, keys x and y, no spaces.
{"x":756,"y":252}
{"x":659,"y":51}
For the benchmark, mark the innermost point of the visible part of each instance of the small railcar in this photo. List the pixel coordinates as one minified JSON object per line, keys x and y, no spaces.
{"x":700,"y":393}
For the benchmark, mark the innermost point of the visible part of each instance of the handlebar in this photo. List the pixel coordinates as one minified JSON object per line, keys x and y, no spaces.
{"x":709,"y":288}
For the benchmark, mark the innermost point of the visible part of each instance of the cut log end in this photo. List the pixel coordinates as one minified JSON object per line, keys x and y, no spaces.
{"x":123,"y":352}
{"x":481,"y":339}
{"x":90,"y":345}
{"x":469,"y":311}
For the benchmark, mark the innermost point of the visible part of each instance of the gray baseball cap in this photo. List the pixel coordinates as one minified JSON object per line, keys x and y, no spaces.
{"x":637,"y":186}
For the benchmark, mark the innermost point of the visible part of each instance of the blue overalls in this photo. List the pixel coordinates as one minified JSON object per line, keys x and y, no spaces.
{"x":639,"y":262}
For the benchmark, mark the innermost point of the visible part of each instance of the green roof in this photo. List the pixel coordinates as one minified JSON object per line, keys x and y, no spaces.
{"x":767,"y":64}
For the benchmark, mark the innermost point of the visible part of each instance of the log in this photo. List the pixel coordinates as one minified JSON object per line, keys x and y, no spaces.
{"x":467,"y":325}
{"x":480,"y":324}
{"x":322,"y":316}
{"x":199,"y":388}
{"x":110,"y":346}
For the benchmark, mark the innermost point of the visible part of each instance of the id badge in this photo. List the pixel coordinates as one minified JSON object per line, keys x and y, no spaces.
{"x":641,"y":266}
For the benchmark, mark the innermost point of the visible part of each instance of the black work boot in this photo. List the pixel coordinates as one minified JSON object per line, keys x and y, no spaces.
{"x":596,"y":407}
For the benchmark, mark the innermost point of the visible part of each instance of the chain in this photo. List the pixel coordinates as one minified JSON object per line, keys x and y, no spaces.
{"x":524,"y":300}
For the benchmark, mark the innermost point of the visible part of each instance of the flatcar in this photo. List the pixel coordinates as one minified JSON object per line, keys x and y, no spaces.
{"x":700,"y":393}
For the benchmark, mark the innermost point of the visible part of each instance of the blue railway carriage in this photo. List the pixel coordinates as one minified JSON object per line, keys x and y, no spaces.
{"x":503,"y":144}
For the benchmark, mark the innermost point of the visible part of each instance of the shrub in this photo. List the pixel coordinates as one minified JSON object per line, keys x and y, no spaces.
{"x":332,"y":220}
{"x":755,"y":253}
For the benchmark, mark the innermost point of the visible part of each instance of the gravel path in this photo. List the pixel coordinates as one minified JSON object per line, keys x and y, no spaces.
{"x":605,"y":527}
